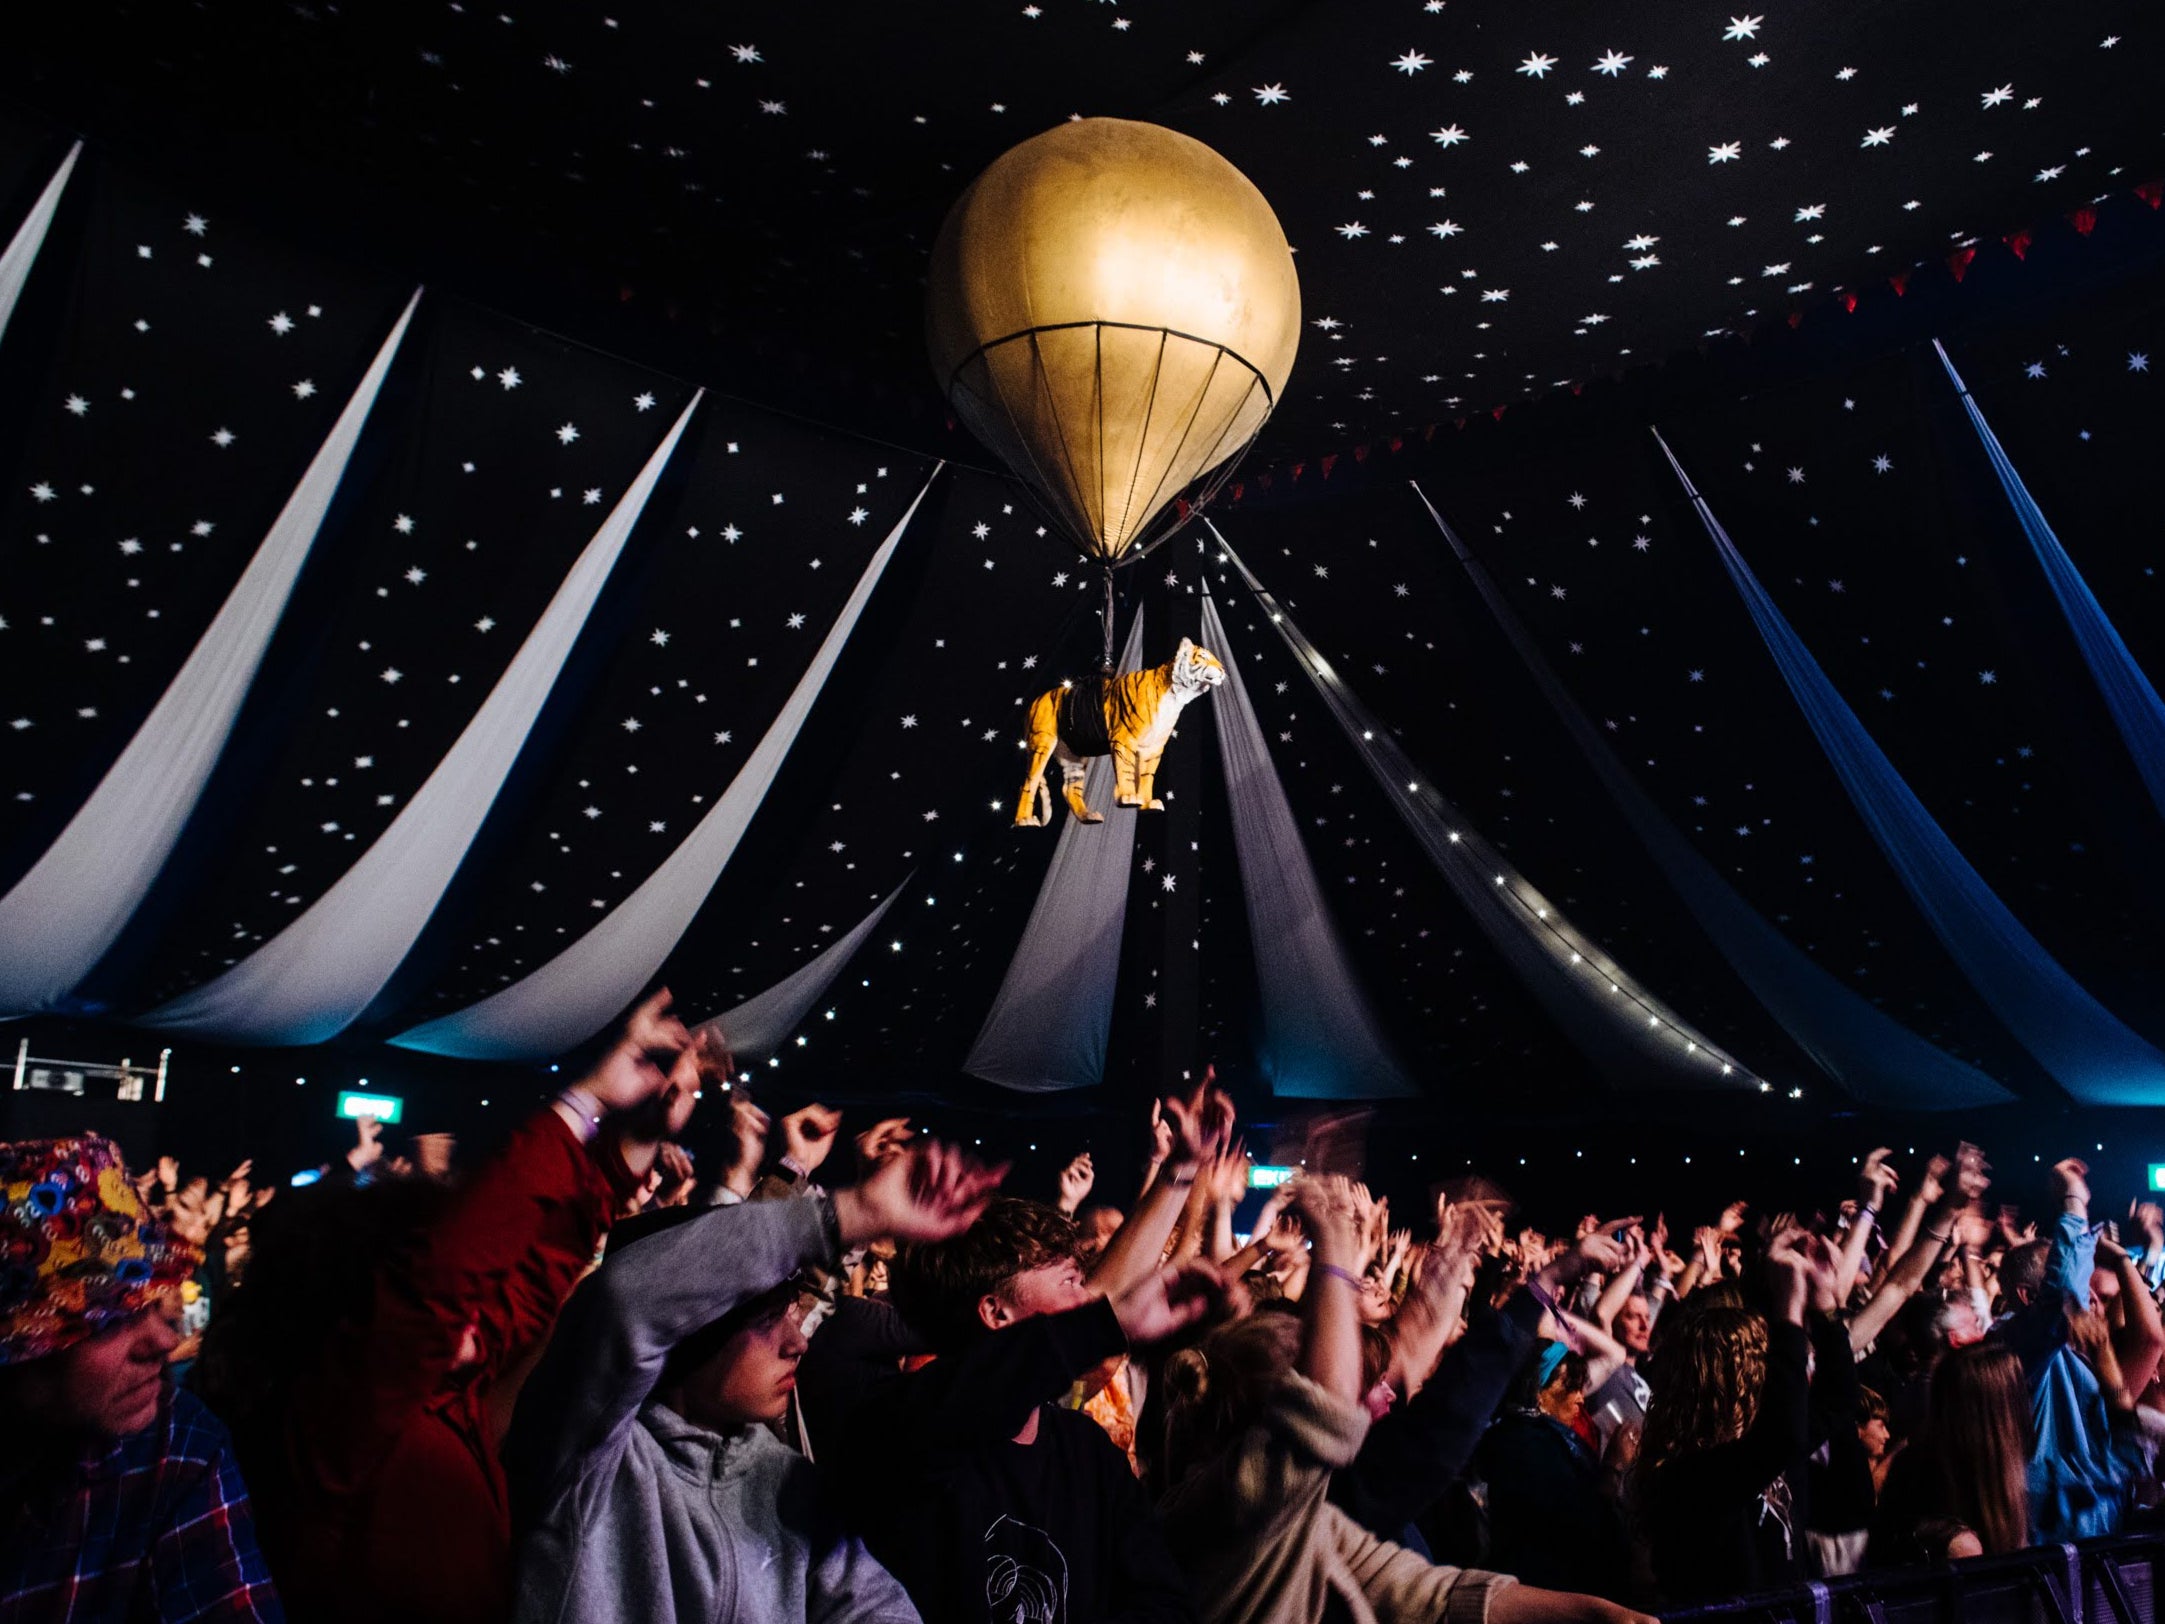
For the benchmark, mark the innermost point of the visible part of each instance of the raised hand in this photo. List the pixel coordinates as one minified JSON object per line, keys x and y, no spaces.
{"x":1333,"y":1217}
{"x":1801,"y":1269}
{"x":1394,"y":1260}
{"x":1169,"y":1300}
{"x":1732,"y":1219}
{"x":1076,"y":1180}
{"x":808,"y":1135}
{"x":930,"y":1193}
{"x":748,"y":1141}
{"x":637,"y":1067}
{"x":1274,"y":1204}
{"x":1229,"y":1178}
{"x":1972,"y":1174}
{"x":1373,"y":1219}
{"x":1933,"y":1185}
{"x":1161,"y":1134}
{"x":2148,"y":1220}
{"x":674,"y":1164}
{"x":368,"y":1146}
{"x":888,"y":1137}
{"x":2073,"y":1180}
{"x":1593,"y":1250}
{"x":1877,"y":1181}
{"x":1707,"y":1241}
{"x":1201,"y":1123}
{"x":169,"y":1172}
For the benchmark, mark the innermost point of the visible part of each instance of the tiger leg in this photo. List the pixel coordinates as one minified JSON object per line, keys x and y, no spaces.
{"x":1125,"y":761}
{"x":1072,"y":770}
{"x":1146,"y":774}
{"x":1044,"y":738}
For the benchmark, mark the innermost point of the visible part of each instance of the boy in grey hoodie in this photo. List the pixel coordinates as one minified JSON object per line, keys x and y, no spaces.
{"x":644,"y":1478}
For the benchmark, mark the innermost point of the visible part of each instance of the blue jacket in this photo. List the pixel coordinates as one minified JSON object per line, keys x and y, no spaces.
{"x":2076,"y":1479}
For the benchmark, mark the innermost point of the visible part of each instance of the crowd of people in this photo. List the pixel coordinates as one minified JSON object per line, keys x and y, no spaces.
{"x":853,"y":1378}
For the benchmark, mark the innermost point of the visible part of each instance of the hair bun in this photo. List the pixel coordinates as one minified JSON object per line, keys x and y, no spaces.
{"x":1187,"y":1376}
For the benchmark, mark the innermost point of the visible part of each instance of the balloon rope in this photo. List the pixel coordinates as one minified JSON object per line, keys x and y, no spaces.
{"x":1105,"y":660}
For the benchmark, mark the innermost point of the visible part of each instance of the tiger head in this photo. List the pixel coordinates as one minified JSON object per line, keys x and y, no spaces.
{"x":1195,"y":670}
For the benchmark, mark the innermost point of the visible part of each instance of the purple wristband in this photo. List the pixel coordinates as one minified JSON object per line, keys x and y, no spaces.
{"x":1347,"y":1275}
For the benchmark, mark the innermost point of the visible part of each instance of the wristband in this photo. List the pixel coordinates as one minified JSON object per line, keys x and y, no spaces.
{"x":1336,"y":1273}
{"x":584,"y":1107}
{"x":1867,"y":1212}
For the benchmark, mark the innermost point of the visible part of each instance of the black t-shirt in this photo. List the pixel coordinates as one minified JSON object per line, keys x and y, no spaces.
{"x":861,"y":1346}
{"x":983,"y":1530}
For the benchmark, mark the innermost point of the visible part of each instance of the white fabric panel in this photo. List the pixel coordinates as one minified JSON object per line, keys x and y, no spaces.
{"x":1049,"y":1023}
{"x":309,"y":982}
{"x":64,"y":914}
{"x":22,"y":250}
{"x":760,"y":1025}
{"x":583,"y":988}
{"x":1320,"y":1037}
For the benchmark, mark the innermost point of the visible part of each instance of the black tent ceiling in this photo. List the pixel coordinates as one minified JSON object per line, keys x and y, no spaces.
{"x":1488,"y":201}
{"x":261,"y":195}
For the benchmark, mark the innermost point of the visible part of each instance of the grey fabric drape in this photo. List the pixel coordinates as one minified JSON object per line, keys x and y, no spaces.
{"x":1320,"y":1038}
{"x":582,"y":989}
{"x":64,"y":914}
{"x":1048,"y":1024}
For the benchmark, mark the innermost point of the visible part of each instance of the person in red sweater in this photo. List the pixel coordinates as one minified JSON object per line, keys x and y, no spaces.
{"x":397,"y":1505}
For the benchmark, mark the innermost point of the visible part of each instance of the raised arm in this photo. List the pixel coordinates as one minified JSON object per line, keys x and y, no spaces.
{"x":615,"y":1336}
{"x":1196,"y":1128}
{"x":1623,"y":1280}
{"x":1915,"y":1266}
{"x":1330,"y":1315}
{"x":1875,"y":1185}
{"x":2138,"y":1340}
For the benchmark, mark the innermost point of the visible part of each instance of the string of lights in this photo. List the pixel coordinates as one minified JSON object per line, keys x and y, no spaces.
{"x":1557,"y":960}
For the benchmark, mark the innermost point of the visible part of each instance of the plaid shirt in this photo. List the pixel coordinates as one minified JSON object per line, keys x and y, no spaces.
{"x":155,"y":1526}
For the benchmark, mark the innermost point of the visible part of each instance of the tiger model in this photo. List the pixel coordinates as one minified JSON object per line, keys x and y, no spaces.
{"x":1131,"y":721}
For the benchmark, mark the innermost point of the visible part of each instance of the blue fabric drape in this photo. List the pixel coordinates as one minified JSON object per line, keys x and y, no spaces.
{"x":2136,"y":709}
{"x":2086,"y":1048}
{"x":1872,"y":1056}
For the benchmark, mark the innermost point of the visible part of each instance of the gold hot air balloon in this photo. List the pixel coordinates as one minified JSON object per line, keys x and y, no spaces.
{"x":1112,"y":309}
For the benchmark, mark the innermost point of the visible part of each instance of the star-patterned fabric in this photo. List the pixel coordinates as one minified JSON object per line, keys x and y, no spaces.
{"x":1487,"y":200}
{"x":747,"y":204}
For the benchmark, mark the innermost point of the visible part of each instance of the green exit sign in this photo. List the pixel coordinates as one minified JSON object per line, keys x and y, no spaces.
{"x":383,"y":1107}
{"x":2157,"y":1175}
{"x":1269,"y":1178}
